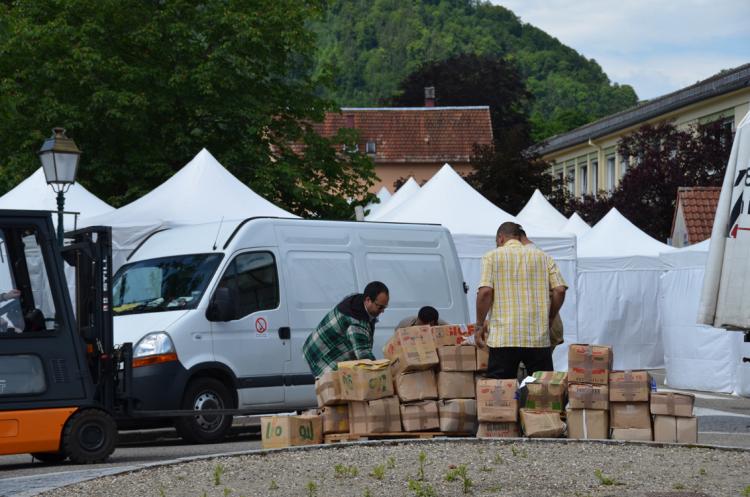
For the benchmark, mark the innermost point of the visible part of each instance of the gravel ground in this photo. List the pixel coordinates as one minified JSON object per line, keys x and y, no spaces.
{"x":514,"y":467}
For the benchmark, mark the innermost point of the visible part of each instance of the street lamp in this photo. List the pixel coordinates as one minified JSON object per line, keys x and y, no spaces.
{"x":59,"y":155}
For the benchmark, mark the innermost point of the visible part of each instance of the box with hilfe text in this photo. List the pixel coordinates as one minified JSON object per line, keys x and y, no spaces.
{"x":589,"y":363}
{"x":451,"y":334}
{"x":497,"y":400}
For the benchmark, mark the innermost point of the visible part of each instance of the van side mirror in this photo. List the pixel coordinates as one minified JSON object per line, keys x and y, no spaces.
{"x":221,"y":307}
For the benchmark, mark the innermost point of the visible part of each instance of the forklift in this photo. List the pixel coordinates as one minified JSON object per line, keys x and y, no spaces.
{"x":62,"y":382}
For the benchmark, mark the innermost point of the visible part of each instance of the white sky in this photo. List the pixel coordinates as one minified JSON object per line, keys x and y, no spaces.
{"x":656,"y":46}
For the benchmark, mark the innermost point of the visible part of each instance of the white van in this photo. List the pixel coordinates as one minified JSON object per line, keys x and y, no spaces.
{"x":217,"y":313}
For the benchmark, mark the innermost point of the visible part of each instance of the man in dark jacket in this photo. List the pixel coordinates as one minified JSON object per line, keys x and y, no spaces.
{"x":346,"y":332}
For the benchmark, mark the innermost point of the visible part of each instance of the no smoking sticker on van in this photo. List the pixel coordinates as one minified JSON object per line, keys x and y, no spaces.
{"x":261,"y":327}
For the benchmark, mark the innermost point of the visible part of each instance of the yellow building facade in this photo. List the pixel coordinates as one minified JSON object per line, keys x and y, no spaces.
{"x":586,"y":158}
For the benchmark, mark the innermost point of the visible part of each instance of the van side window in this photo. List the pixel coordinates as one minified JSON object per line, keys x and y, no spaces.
{"x":253,"y":283}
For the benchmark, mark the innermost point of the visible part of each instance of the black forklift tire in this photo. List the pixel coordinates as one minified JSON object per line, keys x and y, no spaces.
{"x":89,"y":436}
{"x":205,"y":393}
{"x":49,"y":457}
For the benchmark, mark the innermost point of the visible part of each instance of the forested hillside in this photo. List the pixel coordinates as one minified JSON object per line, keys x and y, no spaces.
{"x":370,"y":46}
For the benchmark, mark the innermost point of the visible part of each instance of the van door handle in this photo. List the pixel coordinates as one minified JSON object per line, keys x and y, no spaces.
{"x":285,"y":333}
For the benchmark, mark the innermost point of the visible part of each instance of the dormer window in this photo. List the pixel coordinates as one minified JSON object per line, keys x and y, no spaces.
{"x":370,"y":147}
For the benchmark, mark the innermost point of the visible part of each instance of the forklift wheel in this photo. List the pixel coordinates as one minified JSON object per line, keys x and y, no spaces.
{"x":205,"y":393}
{"x":89,"y":436}
{"x":48,"y":457}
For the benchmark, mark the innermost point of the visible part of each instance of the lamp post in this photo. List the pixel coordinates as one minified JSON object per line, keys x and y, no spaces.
{"x":59,"y":155}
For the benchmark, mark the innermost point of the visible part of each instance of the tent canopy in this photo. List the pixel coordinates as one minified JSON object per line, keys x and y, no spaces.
{"x":615,"y":236}
{"x":34,"y":193}
{"x":384,"y":196}
{"x":407,"y":190}
{"x":576,"y":225}
{"x":538,"y":211}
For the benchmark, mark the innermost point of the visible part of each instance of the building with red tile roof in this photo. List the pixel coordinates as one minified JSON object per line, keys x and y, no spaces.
{"x":414,"y":141}
{"x":694,"y":214}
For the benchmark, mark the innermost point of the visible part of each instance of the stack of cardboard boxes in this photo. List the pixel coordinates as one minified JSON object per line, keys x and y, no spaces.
{"x":630,"y":418}
{"x":545,"y":402}
{"x":588,"y":391}
{"x":673,"y":417}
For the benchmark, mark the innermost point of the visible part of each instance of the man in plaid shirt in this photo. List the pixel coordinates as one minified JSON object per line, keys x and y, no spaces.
{"x":346,"y":332}
{"x":524,"y":289}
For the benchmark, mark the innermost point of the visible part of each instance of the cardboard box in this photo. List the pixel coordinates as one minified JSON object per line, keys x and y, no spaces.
{"x":328,"y":389}
{"x":629,"y":386}
{"x":547,"y":391}
{"x":456,"y":385}
{"x":582,"y":396}
{"x":415,"y":386}
{"x":483,"y":358}
{"x":497,"y":400}
{"x":641,"y":434}
{"x":288,"y":431}
{"x":541,"y":424}
{"x":457,"y":358}
{"x":360,"y":383}
{"x":414,"y":346}
{"x":498,"y":430}
{"x":673,"y":429}
{"x":451,"y":334}
{"x":335,"y":419}
{"x":375,"y":416}
{"x":420,"y":416}
{"x":588,"y":424}
{"x":629,"y":415}
{"x":458,"y":415}
{"x":672,"y":404}
{"x":589,"y":363}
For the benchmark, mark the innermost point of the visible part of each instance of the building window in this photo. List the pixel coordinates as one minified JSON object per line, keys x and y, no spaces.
{"x":572,"y":180}
{"x":594,"y":176}
{"x":370,"y":147}
{"x":584,"y":180}
{"x":624,"y":164}
{"x":610,"y":173}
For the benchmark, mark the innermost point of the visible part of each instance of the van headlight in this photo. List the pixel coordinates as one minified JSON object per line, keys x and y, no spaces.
{"x":154,"y":348}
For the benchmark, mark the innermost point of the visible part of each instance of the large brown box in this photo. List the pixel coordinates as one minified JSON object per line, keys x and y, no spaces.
{"x":456,"y":385}
{"x":415,"y":386}
{"x":541,"y":424}
{"x":288,"y":431}
{"x":375,"y":416}
{"x":451,"y":334}
{"x":629,"y":386}
{"x":497,"y":400}
{"x":497,"y":430}
{"x":483,"y":358}
{"x":629,"y":415}
{"x":365,"y":380}
{"x":328,"y":389}
{"x":414,"y":346}
{"x":458,"y":415}
{"x":588,"y":424}
{"x":589,"y":363}
{"x":547,"y":391}
{"x":675,"y":429}
{"x":582,"y":396}
{"x":672,"y":404}
{"x":335,"y":419}
{"x":420,"y":416}
{"x":641,"y":434}
{"x":457,"y":358}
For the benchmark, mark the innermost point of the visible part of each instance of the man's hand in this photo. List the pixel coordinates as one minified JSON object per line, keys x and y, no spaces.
{"x":11,"y":294}
{"x":480,"y":335}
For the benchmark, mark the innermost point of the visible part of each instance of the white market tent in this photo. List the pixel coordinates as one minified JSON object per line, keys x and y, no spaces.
{"x":34,"y":193}
{"x":403,"y":194}
{"x":539,"y":212}
{"x":384,"y":196}
{"x":696,"y":356}
{"x":576,"y":225}
{"x":618,"y":280}
{"x":202,"y":191}
{"x":473,"y":220}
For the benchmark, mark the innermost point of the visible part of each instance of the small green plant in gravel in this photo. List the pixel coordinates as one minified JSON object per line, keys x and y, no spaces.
{"x":273,"y":485}
{"x":499,"y":459}
{"x":486,"y":469}
{"x":161,"y":492}
{"x":519,"y":452}
{"x":342,"y":471}
{"x":378,"y":472}
{"x":421,"y":489}
{"x":495,"y":489}
{"x":422,"y":460}
{"x":367,"y":493}
{"x":218,"y":472}
{"x":391,"y":463}
{"x":312,"y":489}
{"x":678,"y":486}
{"x":460,"y":473}
{"x":746,"y":492}
{"x":604,"y":479}
{"x":702,"y":472}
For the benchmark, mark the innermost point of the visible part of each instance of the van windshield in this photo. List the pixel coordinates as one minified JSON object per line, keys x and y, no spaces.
{"x":164,"y":284}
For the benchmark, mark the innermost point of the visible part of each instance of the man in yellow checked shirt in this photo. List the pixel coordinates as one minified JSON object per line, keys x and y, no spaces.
{"x":524,"y":289}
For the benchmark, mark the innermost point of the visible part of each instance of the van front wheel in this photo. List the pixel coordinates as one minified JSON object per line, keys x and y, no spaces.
{"x":205,"y":393}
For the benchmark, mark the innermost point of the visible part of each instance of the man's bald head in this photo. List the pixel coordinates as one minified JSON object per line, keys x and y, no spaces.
{"x":507,"y":231}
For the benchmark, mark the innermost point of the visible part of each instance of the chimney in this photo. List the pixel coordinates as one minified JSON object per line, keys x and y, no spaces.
{"x":429,"y":96}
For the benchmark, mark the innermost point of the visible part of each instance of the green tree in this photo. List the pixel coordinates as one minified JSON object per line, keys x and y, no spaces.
{"x":143,"y":86}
